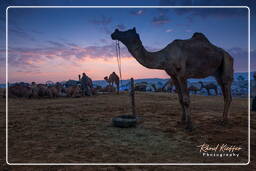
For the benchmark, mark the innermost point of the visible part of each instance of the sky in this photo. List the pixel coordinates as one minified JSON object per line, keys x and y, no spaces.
{"x":57,"y":44}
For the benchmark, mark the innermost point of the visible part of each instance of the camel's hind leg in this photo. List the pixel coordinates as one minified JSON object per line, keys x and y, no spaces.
{"x":216,"y":91}
{"x":208,"y":91}
{"x":227,"y":101}
{"x":226,"y":91}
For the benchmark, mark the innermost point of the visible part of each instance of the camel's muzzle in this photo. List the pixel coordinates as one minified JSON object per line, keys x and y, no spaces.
{"x":113,"y":36}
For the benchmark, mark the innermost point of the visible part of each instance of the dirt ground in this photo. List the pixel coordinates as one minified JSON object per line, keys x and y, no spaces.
{"x":79,"y":130}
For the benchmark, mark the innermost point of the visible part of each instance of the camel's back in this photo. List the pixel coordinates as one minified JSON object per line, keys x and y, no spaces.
{"x":200,"y":37}
{"x":200,"y":55}
{"x":113,"y":77}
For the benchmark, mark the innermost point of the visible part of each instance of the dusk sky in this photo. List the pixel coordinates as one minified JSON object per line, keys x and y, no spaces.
{"x":59,"y":43}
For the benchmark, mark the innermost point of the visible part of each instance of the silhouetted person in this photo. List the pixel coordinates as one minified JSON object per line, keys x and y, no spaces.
{"x":86,"y":85}
{"x":79,"y":77}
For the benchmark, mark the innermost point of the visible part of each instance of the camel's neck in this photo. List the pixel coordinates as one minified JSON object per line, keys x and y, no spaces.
{"x":152,"y":60}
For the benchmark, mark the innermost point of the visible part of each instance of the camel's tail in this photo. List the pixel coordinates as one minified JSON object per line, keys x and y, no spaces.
{"x":227,"y":68}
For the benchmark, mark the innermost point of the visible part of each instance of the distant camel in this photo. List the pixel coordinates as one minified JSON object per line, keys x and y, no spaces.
{"x":193,"y":89}
{"x":208,"y":87}
{"x":168,"y":85}
{"x":182,"y":59}
{"x":113,"y":78}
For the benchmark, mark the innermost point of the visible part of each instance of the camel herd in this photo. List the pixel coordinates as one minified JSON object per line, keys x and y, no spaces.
{"x":61,"y":90}
{"x":43,"y":90}
{"x":34,"y":90}
{"x":169,"y":87}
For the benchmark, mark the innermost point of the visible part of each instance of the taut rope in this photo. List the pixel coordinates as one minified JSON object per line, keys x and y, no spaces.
{"x":118,"y":55}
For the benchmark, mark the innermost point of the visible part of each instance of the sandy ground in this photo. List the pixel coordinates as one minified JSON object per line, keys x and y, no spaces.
{"x":79,"y":130}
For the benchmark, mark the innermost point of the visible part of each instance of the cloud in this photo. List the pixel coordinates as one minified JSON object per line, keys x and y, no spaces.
{"x":137,"y":12}
{"x":188,"y":30}
{"x":26,"y":59}
{"x":72,"y":44}
{"x":15,"y":32}
{"x":104,"y":40}
{"x":121,"y":27}
{"x":102,"y":20}
{"x":56,"y":43}
{"x":35,"y":57}
{"x":169,"y":30}
{"x":161,"y":20}
{"x":37,"y":32}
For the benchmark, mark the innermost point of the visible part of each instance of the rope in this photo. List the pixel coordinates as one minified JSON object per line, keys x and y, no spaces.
{"x":118,"y":55}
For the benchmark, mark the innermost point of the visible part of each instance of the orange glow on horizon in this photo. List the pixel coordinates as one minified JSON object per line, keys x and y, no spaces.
{"x":58,"y":69}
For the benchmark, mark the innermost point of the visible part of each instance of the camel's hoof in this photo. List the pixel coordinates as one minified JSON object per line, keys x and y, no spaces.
{"x":181,"y":122}
{"x":223,"y":122}
{"x":189,"y":128}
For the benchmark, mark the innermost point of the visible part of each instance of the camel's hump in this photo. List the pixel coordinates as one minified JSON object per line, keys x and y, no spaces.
{"x":200,"y":36}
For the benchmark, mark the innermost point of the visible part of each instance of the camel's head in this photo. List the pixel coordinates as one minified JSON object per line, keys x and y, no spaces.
{"x":124,"y":36}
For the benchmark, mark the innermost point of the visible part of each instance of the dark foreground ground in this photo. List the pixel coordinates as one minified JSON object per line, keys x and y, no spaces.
{"x":78,"y":130}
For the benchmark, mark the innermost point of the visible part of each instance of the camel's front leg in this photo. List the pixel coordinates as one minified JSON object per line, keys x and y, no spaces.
{"x":178,"y":88}
{"x":185,"y":101}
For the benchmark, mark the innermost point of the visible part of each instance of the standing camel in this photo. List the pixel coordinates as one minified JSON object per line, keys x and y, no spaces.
{"x":113,"y":78}
{"x":193,"y":89}
{"x":182,"y":59}
{"x":168,"y":86}
{"x":208,"y":87}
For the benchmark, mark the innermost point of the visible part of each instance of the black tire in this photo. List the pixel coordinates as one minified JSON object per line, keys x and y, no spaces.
{"x":124,"y":121}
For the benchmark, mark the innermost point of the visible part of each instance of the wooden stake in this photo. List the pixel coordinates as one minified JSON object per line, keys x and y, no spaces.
{"x":132,"y":97}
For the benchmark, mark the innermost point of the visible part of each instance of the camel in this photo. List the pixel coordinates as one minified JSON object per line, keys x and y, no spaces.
{"x":20,"y":91}
{"x":195,"y":57}
{"x":113,"y":78}
{"x":73,"y":91}
{"x":208,"y":87}
{"x":168,"y":86}
{"x":142,"y":86}
{"x":193,"y":89}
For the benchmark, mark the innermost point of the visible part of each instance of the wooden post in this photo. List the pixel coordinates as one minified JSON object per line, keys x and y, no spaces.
{"x":132,"y":97}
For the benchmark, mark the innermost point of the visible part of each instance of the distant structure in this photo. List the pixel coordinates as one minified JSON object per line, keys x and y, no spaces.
{"x":196,"y":57}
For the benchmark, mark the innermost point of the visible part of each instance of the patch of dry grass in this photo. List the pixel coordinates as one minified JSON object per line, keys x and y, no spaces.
{"x":79,"y":129}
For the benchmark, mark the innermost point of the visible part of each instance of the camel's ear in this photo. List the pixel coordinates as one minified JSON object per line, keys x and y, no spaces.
{"x":134,"y":29}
